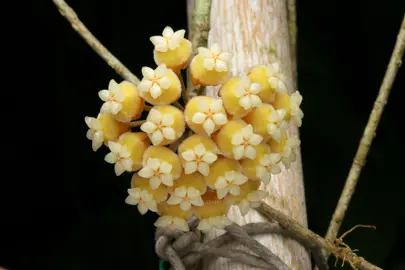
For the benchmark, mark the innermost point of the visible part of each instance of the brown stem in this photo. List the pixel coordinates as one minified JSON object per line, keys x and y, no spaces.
{"x":137,"y":123}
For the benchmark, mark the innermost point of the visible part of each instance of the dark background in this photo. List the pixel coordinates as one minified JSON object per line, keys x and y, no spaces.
{"x":61,"y":205}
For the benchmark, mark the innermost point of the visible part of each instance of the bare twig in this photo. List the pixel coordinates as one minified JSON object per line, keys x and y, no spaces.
{"x":199,"y":29}
{"x":368,"y":135}
{"x":94,"y":43}
{"x":137,"y":123}
{"x":312,"y":240}
{"x":183,"y":89}
{"x":292,"y":29}
{"x":147,"y":107}
{"x":178,"y":106}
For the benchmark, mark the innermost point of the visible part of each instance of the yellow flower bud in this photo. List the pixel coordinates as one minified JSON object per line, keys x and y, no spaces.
{"x":267,"y":121}
{"x":103,"y":129}
{"x":159,"y":195}
{"x":172,"y":49}
{"x":263,"y":166}
{"x":164,"y":125}
{"x":160,"y":86}
{"x":210,"y":66}
{"x":240,"y":96}
{"x":205,"y":115}
{"x":236,"y":140}
{"x":161,"y":166}
{"x":197,"y":153}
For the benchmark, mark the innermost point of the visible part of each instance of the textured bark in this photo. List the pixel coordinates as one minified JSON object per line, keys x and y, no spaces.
{"x":256,"y":32}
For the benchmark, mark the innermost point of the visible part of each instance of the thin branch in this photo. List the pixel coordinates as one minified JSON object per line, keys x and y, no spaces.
{"x":137,"y":123}
{"x":94,"y":43}
{"x":312,"y":240}
{"x":368,"y":135}
{"x":147,"y":107}
{"x":199,"y":29}
{"x":178,"y":106}
{"x":292,"y":29}
{"x":183,"y":89}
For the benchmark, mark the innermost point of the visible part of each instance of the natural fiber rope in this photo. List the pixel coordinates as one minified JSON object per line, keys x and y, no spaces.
{"x":183,"y":249}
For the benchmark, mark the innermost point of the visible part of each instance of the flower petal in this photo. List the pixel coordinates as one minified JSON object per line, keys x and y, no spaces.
{"x":247,"y":131}
{"x":115,"y":107}
{"x":250,"y":152}
{"x":260,"y":170}
{"x":244,"y":207}
{"x":169,"y":133}
{"x":204,"y":52}
{"x":167,"y":179}
{"x":90,"y":134}
{"x":153,"y":163}
{"x":161,"y":71}
{"x":114,"y":147}
{"x":92,"y":123}
{"x":157,"y":40}
{"x":165,"y":82}
{"x":197,"y":201}
{"x":255,"y":88}
{"x":215,"y":48}
{"x":217,"y":106}
{"x":256,"y":101}
{"x":181,"y":191}
{"x":148,"y":73}
{"x":188,"y":155}
{"x":119,"y":169}
{"x":238,"y":152}
{"x":240,"y":179}
{"x":255,"y":139}
{"x":145,"y":85}
{"x":145,"y":172}
{"x":275,"y":169}
{"x":245,"y":102}
{"x":127,"y":164}
{"x":204,"y":225}
{"x":174,"y":200}
{"x":199,"y":118}
{"x":239,"y":91}
{"x":97,"y":142}
{"x":222,"y":192}
{"x":154,"y":182}
{"x":152,"y":206}
{"x":163,"y":221}
{"x":265,"y":177}
{"x":104,"y":95}
{"x":131,"y":200}
{"x":111,"y":158}
{"x":168,"y":119}
{"x":190,"y":167}
{"x":220,"y":119}
{"x":209,"y":126}
{"x":237,"y":139}
{"x":167,"y":31}
{"x":204,"y":168}
{"x":181,"y":224}
{"x":203,"y":105}
{"x":221,"y":183}
{"x":209,"y":157}
{"x":155,"y":91}
{"x":221,"y":66}
{"x":142,"y":208}
{"x":185,"y":205}
{"x":209,"y":63}
{"x":225,"y":56}
{"x":192,"y":192}
{"x":165,"y":167}
{"x":234,"y":190}
{"x":199,"y":150}
{"x":148,"y":127}
{"x":157,"y":137}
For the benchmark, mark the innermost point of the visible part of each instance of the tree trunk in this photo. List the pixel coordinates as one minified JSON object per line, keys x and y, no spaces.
{"x":256,"y":32}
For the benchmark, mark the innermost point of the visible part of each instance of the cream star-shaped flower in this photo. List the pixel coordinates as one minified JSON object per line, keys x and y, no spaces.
{"x":244,"y":143}
{"x":198,"y":159}
{"x":120,"y":156}
{"x":154,"y":81}
{"x":247,"y":92}
{"x":229,"y":183}
{"x":210,"y":115}
{"x":277,"y":125}
{"x":94,"y":133}
{"x":143,"y":199}
{"x":159,"y":126}
{"x":186,"y":197}
{"x":169,"y":40}
{"x":252,"y":200}
{"x":289,"y":151}
{"x":158,"y":172}
{"x":113,"y":97}
{"x":172,"y":222}
{"x":218,"y":222}
{"x":276,"y":79}
{"x":295,"y":110}
{"x":214,"y":58}
{"x":268,"y":166}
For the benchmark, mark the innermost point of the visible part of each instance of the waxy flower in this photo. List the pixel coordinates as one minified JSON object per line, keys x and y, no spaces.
{"x":236,"y":140}
{"x":143,"y":199}
{"x":210,"y":66}
{"x":127,"y":152}
{"x":173,"y":217}
{"x":240,"y":95}
{"x":213,"y":213}
{"x":172,"y":49}
{"x":287,"y":147}
{"x":122,"y":100}
{"x":292,"y":106}
{"x":263,"y":166}
{"x":205,"y":115}
{"x":160,"y":86}
{"x":104,"y":128}
{"x":159,"y":194}
{"x":267,"y":121}
{"x":249,"y":197}
{"x":161,"y":166}
{"x":164,"y":125}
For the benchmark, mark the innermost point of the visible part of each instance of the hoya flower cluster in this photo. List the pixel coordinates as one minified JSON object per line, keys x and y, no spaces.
{"x":234,"y":143}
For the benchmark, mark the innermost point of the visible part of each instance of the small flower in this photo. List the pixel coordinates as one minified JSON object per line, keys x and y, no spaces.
{"x":143,"y":199}
{"x":158,"y":195}
{"x":186,"y":196}
{"x":210,"y":115}
{"x":155,"y":81}
{"x":198,"y":159}
{"x":244,"y":142}
{"x":219,"y":222}
{"x":276,"y":79}
{"x":172,"y":222}
{"x":277,"y":125}
{"x":252,"y":200}
{"x":159,"y":127}
{"x":214,"y":58}
{"x":95,"y":132}
{"x":113,"y":98}
{"x":229,"y":183}
{"x":295,"y":110}
{"x":247,"y":93}
{"x":169,"y":40}
{"x":268,"y":166}
{"x":120,"y":156}
{"x":158,"y":172}
{"x":287,"y":147}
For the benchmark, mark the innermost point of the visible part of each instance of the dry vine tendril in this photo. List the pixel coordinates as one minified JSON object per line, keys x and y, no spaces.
{"x":236,"y":144}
